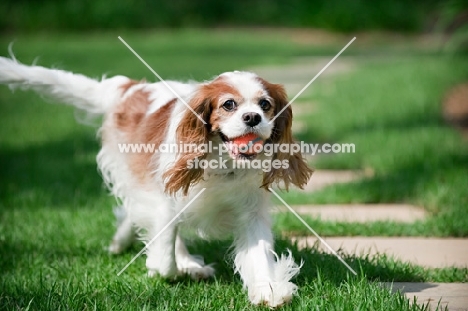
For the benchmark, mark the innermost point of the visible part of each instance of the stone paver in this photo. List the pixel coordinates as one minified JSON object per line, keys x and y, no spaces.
{"x":453,"y":296}
{"x":297,"y":74}
{"x":427,"y":252}
{"x":363,"y":212}
{"x":323,"y":178}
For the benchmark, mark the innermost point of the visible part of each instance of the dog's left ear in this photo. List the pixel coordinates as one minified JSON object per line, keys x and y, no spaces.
{"x":193,"y":131}
{"x":295,"y":169}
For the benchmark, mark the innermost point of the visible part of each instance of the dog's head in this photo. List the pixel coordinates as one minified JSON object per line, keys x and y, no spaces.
{"x":235,"y":105}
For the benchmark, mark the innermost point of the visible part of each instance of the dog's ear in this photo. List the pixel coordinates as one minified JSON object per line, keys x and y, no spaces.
{"x":295,"y":169}
{"x":193,"y":131}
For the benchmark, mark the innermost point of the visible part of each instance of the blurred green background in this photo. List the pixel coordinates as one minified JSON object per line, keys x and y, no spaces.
{"x":448,"y":17}
{"x":339,"y":15}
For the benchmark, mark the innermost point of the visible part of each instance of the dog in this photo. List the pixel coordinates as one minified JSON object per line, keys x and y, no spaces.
{"x":229,"y":201}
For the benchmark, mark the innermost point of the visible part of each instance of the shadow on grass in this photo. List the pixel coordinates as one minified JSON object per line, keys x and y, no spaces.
{"x":409,"y":179}
{"x":54,"y":174}
{"x":330,"y":268}
{"x":315,"y":132}
{"x":314,"y":262}
{"x":76,"y":277}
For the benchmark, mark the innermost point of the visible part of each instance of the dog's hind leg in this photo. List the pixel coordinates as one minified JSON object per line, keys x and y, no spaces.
{"x":125,"y":234}
{"x":192,"y":265}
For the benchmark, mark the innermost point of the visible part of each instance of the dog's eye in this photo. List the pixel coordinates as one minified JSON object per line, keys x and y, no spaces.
{"x":229,"y":105}
{"x":265,"y":104}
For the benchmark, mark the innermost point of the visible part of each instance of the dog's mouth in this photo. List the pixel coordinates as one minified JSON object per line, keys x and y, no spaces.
{"x":244,"y":147}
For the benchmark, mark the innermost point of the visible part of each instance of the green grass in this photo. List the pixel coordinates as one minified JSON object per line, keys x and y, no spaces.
{"x":63,"y":265}
{"x":55,"y":215}
{"x":183,"y":54}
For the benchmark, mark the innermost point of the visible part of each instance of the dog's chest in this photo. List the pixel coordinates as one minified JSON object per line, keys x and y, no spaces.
{"x":224,"y":206}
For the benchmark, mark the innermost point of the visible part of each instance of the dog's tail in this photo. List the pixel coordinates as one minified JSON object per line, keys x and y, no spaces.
{"x":65,"y":87}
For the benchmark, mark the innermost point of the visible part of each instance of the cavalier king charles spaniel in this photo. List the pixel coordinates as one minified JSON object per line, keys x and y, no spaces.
{"x":154,"y":186}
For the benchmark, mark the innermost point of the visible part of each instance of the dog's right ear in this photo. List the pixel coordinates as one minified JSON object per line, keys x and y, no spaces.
{"x":191,"y":130}
{"x":297,"y":172}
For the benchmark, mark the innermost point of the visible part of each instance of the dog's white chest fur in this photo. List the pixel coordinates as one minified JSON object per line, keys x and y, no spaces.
{"x":227,"y":204}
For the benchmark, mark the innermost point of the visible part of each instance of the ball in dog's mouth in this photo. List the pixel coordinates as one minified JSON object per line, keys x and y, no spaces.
{"x":244,"y":147}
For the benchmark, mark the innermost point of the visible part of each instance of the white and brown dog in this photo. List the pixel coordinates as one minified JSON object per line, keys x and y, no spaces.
{"x":154,"y":187}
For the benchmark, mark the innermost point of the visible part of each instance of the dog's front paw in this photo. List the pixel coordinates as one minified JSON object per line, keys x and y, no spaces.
{"x":272,"y":294}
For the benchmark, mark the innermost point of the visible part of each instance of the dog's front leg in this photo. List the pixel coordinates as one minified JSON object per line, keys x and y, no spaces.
{"x":161,"y":252}
{"x":266,"y":276}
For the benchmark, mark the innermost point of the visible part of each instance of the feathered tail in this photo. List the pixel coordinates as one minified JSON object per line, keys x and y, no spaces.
{"x":65,"y":87}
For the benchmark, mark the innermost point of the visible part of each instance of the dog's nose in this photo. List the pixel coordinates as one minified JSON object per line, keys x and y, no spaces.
{"x":251,"y":118}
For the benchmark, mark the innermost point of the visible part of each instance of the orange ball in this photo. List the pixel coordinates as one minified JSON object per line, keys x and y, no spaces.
{"x":249,"y":143}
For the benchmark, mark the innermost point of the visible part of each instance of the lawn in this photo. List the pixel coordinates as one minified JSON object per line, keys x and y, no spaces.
{"x":55,"y":215}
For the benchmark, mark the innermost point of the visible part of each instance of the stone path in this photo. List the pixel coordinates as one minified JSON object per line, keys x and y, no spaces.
{"x":322,"y":178}
{"x":363,"y":212}
{"x":426,"y":252}
{"x":450,"y":296}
